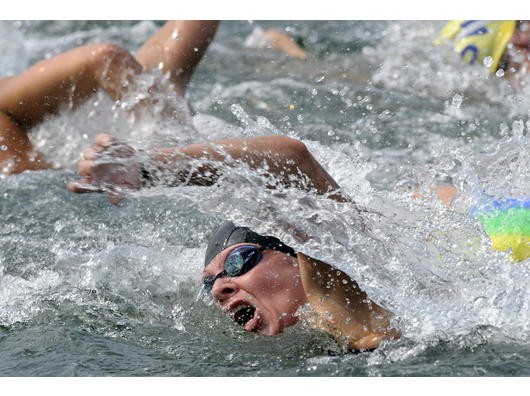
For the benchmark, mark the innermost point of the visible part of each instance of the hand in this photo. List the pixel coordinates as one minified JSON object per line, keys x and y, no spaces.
{"x":110,"y":167}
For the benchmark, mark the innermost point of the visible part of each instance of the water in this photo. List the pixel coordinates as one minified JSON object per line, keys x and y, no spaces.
{"x":91,"y":289}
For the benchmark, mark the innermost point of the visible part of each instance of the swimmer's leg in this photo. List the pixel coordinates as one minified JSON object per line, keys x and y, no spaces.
{"x":16,"y":153}
{"x":177,"y":48}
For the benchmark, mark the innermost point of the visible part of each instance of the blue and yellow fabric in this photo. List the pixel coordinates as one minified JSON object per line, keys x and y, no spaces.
{"x":476,"y":40}
{"x":507,"y":223}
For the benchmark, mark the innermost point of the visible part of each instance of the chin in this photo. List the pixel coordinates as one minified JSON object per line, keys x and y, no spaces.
{"x":270,"y":332}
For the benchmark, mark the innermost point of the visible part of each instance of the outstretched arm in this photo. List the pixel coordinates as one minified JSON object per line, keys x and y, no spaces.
{"x":73,"y":76}
{"x":70,"y":77}
{"x":46,"y":87}
{"x":113,"y":164}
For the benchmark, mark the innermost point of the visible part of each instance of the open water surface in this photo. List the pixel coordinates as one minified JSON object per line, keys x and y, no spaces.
{"x":91,"y":289}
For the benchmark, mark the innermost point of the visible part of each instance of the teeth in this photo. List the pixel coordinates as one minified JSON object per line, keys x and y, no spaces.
{"x":242,"y":313}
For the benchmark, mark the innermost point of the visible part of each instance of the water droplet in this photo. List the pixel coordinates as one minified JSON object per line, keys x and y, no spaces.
{"x":518,"y":128}
{"x":3,"y":147}
{"x":500,"y":73}
{"x":488,"y":61}
{"x":457,"y":100}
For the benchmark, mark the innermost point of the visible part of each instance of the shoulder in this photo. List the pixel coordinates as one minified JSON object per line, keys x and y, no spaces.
{"x":341,"y":308}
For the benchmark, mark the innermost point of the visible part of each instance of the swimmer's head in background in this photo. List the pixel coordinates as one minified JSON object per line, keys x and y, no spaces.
{"x":507,"y":223}
{"x":228,"y":234}
{"x":477,"y":41}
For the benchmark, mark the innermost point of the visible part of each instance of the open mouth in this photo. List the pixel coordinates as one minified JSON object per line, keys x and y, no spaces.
{"x":243,"y":314}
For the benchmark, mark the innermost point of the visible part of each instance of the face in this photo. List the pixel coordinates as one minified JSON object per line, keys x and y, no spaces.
{"x":266,"y":298}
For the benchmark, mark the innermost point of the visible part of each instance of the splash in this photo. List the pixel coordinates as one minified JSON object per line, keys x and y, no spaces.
{"x":132,"y":272}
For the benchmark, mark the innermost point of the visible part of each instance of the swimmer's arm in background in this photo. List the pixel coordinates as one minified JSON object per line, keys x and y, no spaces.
{"x":285,"y":43}
{"x":177,"y":48}
{"x":444,"y":192}
{"x":115,"y":164}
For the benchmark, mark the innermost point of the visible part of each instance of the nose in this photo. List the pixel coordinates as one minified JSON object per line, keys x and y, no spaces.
{"x":223,"y":289}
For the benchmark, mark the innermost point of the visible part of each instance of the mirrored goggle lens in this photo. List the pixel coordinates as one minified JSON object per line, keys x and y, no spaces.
{"x":238,"y":262}
{"x":242,"y":260}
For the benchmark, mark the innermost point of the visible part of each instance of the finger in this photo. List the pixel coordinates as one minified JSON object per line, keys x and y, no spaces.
{"x":83,"y":186}
{"x":115,"y":198}
{"x":91,"y":153}
{"x":105,"y":140}
{"x":85,"y":167}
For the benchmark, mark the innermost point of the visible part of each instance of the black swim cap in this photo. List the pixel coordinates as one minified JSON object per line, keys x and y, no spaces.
{"x":229,"y":234}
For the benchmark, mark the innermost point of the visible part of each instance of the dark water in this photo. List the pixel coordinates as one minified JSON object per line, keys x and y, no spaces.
{"x":91,"y":289}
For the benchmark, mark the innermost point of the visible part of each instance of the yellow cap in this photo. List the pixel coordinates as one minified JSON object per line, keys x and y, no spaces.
{"x":476,"y":40}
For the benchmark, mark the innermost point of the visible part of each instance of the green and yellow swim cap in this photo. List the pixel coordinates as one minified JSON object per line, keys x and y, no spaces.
{"x":507,"y":223}
{"x":477,"y":40}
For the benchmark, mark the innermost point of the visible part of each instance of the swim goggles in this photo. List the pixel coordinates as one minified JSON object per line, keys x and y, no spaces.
{"x":238,"y":262}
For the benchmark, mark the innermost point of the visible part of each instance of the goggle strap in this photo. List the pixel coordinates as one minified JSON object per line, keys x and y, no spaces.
{"x":275,"y":244}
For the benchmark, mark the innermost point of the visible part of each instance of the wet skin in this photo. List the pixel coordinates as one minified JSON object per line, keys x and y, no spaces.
{"x":265,"y":299}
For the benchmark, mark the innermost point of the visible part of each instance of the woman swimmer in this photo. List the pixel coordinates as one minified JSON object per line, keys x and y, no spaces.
{"x":72,"y":77}
{"x":259,"y":281}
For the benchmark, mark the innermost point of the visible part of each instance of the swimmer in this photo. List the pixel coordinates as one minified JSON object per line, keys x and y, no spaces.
{"x":72,"y":77}
{"x":506,"y":221}
{"x":263,"y":284}
{"x":502,"y":46}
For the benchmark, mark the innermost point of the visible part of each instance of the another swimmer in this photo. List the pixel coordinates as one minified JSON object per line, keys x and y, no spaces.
{"x":72,"y":77}
{"x":506,"y":221}
{"x":502,"y":46}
